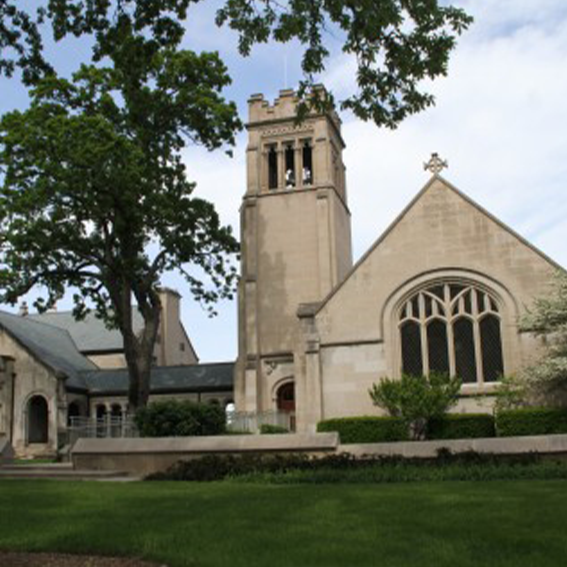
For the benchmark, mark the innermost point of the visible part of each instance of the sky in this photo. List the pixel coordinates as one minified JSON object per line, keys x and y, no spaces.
{"x":500,"y":120}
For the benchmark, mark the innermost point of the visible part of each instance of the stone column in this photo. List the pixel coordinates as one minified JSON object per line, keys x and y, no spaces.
{"x":298,"y":166}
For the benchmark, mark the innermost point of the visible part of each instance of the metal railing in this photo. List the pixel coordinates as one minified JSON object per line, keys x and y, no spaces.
{"x":111,"y":426}
{"x":252,"y":421}
{"x":107,"y":426}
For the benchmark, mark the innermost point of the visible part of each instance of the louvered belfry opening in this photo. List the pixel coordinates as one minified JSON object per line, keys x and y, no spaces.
{"x":453,"y":328}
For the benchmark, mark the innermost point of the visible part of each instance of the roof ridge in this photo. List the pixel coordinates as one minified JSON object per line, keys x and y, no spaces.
{"x":402,"y":214}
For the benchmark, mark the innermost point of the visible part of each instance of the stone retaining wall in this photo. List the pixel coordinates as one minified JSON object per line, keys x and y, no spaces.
{"x":543,"y":444}
{"x":144,"y":456}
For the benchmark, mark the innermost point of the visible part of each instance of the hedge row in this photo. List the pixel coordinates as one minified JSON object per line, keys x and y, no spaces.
{"x":366,"y":429}
{"x":525,"y":421}
{"x":531,"y":421}
{"x":462,"y":426}
{"x":344,"y":468}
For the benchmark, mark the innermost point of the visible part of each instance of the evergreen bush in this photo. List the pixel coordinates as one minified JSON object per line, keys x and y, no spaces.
{"x":531,"y":421}
{"x":269,"y":429}
{"x":366,"y":429}
{"x":461,"y":426}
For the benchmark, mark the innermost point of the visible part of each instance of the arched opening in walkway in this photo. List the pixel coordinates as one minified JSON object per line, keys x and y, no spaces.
{"x":115,"y":420}
{"x":285,"y":400}
{"x":38,"y":420}
{"x":73,"y":411}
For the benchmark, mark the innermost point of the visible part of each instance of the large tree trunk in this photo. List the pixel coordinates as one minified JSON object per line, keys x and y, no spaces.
{"x":138,"y":349}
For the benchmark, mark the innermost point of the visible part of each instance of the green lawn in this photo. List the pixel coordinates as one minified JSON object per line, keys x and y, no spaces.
{"x":452,"y":524}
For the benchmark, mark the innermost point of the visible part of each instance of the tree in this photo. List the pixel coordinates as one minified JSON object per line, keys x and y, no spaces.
{"x":546,"y":380}
{"x":93,"y":191}
{"x":416,"y":399}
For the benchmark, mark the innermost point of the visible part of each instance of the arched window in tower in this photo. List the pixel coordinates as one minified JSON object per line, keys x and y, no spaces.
{"x":289,"y":157}
{"x":452,"y":328}
{"x":307,"y":163}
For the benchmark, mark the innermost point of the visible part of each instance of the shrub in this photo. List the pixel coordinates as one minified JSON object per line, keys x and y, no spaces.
{"x":531,"y":421}
{"x":461,"y":426}
{"x":366,"y":429}
{"x":345,"y":468}
{"x":180,"y":418}
{"x":267,"y":429}
{"x":417,"y":399}
{"x":219,"y":467}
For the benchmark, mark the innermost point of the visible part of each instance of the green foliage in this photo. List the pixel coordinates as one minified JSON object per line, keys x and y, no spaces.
{"x":546,"y":381}
{"x":92,"y":172}
{"x":395,"y":46}
{"x":461,"y":426}
{"x":179,"y":419}
{"x":268,"y":429}
{"x":416,"y":399}
{"x":531,"y":421}
{"x":220,"y":467}
{"x":512,"y":392}
{"x":347,"y":469}
{"x":94,"y":192}
{"x":366,"y":429}
{"x":21,"y":44}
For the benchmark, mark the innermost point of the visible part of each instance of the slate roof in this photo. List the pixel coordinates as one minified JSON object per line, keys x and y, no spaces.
{"x":189,"y":378}
{"x":51,"y":345}
{"x":90,"y":335}
{"x":54,"y":346}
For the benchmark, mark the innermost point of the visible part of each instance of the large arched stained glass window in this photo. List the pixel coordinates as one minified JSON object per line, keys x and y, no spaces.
{"x":453,"y":328}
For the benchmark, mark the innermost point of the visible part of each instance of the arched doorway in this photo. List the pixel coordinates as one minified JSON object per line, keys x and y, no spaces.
{"x":285,"y":400}
{"x":38,"y":420}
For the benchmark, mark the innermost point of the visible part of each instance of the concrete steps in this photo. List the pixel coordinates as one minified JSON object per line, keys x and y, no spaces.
{"x":60,"y":471}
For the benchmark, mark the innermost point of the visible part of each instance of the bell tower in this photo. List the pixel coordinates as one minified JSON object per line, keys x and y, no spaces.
{"x":296,"y":240}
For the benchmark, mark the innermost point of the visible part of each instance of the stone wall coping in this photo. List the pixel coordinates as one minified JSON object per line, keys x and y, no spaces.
{"x":213,"y":444}
{"x":548,"y":444}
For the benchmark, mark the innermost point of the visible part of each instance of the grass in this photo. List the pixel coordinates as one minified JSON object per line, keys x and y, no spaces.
{"x":498,"y":523}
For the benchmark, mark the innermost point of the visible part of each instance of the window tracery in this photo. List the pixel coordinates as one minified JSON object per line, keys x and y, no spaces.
{"x":454,"y":328}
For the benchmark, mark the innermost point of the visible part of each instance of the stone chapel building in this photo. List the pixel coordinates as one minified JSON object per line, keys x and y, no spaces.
{"x":441,"y":289}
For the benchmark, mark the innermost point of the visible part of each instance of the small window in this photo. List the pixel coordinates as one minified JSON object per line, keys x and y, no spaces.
{"x":182,"y":347}
{"x":272,"y":168}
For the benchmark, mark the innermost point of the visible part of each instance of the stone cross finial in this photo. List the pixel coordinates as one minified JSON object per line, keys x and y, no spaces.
{"x":435,"y":164}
